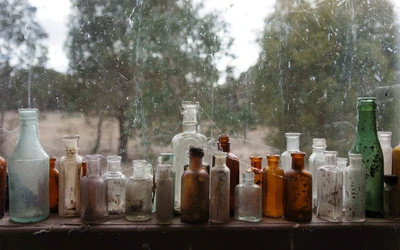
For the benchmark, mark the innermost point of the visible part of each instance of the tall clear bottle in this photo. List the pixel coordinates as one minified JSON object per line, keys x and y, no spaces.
{"x":315,"y":161}
{"x":220,"y":184}
{"x":70,"y":178}
{"x":29,"y":173}
{"x":330,"y":188}
{"x":115,"y":187}
{"x":93,"y":209}
{"x":138,"y":192}
{"x":367,"y":144}
{"x":164,"y":194}
{"x":273,"y":188}
{"x":255,"y":162}
{"x":385,"y":139}
{"x":354,"y":183}
{"x":181,"y":142}
{"x":248,"y":200}
{"x":292,"y":145}
{"x":3,"y":185}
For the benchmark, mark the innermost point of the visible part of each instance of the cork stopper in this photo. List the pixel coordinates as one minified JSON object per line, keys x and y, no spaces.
{"x":196,"y":151}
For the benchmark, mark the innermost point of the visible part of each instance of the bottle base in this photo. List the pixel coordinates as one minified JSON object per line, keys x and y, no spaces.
{"x":137,"y":218}
{"x":330,"y":219}
{"x":28,"y":220}
{"x":249,"y":219}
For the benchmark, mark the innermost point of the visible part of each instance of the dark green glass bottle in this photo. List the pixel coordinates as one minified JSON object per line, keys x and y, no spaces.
{"x":367,"y":144}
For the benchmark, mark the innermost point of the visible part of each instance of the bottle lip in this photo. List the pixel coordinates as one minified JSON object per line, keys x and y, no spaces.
{"x":167,"y":154}
{"x":319,"y":142}
{"x":366,"y":103}
{"x":220,"y":154}
{"x":70,"y":137}
{"x":114,"y":158}
{"x":385,"y":134}
{"x":342,"y":159}
{"x":93,"y":157}
{"x":298,"y":154}
{"x":28,"y":113}
{"x":272,"y":157}
{"x":355,"y":156}
{"x":292,"y":134}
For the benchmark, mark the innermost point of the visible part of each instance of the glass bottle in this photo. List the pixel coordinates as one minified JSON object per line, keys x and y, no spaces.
{"x":385,"y":139}
{"x":292,"y":145}
{"x":248,"y":200}
{"x":164,"y":194}
{"x":315,"y":161}
{"x":355,"y":178}
{"x":219,"y":197}
{"x":273,"y":188}
{"x":297,"y":191}
{"x":3,"y":186}
{"x":29,"y":173}
{"x":53,"y":185}
{"x":84,"y":167}
{"x":367,"y":144}
{"x":342,"y":165}
{"x":391,"y":197}
{"x":256,"y":162}
{"x":70,"y":178}
{"x":396,"y":163}
{"x":232,"y":162}
{"x":115,"y":187}
{"x":195,"y":189}
{"x":167,"y":159}
{"x":330,"y":188}
{"x":138,"y":192}
{"x":93,"y":190}
{"x":181,"y":142}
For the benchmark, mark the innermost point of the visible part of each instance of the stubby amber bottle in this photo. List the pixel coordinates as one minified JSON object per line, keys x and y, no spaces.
{"x":195,"y":189}
{"x":255,"y":162}
{"x":53,"y":185}
{"x":298,"y":191}
{"x":273,"y":188}
{"x":232,"y":162}
{"x":3,"y":177}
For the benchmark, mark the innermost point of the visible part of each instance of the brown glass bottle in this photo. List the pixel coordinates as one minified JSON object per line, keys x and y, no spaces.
{"x":232,"y":162}
{"x":3,"y":175}
{"x":84,"y":168}
{"x":273,"y":188}
{"x":53,"y":185}
{"x":195,"y":189}
{"x":255,"y":162}
{"x":298,"y":191}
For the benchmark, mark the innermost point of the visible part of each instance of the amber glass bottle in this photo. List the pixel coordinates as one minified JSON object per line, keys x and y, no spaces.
{"x":53,"y":185}
{"x":3,"y":177}
{"x":273,"y":188}
{"x":298,"y":191}
{"x":84,"y":168}
{"x":232,"y":162}
{"x":255,"y":162}
{"x":195,"y":189}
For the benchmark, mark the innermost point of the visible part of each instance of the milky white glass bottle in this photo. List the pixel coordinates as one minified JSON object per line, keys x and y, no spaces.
{"x":292,"y":145}
{"x":355,"y":178}
{"x":385,"y":138}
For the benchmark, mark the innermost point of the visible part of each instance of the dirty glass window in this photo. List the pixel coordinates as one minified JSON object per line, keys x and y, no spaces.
{"x":115,"y":72}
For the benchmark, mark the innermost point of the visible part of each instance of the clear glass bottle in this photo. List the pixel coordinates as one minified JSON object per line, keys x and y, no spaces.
{"x":70,"y":178}
{"x":367,"y":144}
{"x":391,"y":198}
{"x":138,"y":192}
{"x":3,"y":186}
{"x":355,"y":178}
{"x":168,"y":159}
{"x":29,"y":173}
{"x":93,"y":190}
{"x":315,"y":161}
{"x":195,"y":189}
{"x":255,"y":162}
{"x":53,"y":185}
{"x":385,"y":139}
{"x":220,"y":184}
{"x":164,"y":194}
{"x":342,"y":165}
{"x":292,"y":145}
{"x":330,"y":188}
{"x":248,"y":200}
{"x":115,"y":187}
{"x":181,"y":142}
{"x":297,"y":201}
{"x":273,"y":188}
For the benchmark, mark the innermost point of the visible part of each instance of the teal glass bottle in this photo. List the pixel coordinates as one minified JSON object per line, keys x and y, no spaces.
{"x":367,"y":144}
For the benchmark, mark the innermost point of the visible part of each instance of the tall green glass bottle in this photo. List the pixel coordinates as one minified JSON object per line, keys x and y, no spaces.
{"x":367,"y":144}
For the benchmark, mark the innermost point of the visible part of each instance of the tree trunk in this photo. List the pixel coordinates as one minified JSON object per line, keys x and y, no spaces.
{"x":97,"y":145}
{"x":123,"y":134}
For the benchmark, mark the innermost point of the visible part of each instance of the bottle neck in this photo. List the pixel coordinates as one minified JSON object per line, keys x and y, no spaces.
{"x":29,"y":127}
{"x":195,"y":163}
{"x":248,"y":178}
{"x":255,"y":162}
{"x":355,"y":163}
{"x":226,"y":147}
{"x":366,"y":121}
{"x":189,"y":127}
{"x":298,"y":163}
{"x":318,"y":149}
{"x":273,"y":164}
{"x":293,"y":144}
{"x":93,"y":168}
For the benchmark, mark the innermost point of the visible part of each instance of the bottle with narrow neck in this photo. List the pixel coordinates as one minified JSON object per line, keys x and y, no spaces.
{"x":292,"y":145}
{"x":367,"y":144}
{"x":181,"y":142}
{"x":255,"y":162}
{"x":53,"y":185}
{"x":315,"y":161}
{"x":219,"y":198}
{"x":248,"y":200}
{"x":93,"y":193}
{"x":115,"y":187}
{"x":273,"y":188}
{"x":29,"y":173}
{"x":70,"y":178}
{"x":385,"y":141}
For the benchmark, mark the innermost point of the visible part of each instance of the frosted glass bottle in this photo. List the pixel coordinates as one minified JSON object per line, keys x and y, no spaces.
{"x":93,"y":193}
{"x":181,"y":142}
{"x":330,"y":188}
{"x":70,"y":174}
{"x":342,"y":165}
{"x":248,"y":199}
{"x":219,"y":191}
{"x":164,"y":194}
{"x":138,"y":192}
{"x":115,"y":187}
{"x":292,"y":145}
{"x":315,"y":161}
{"x":354,"y":178}
{"x":28,"y":173}
{"x":385,"y":139}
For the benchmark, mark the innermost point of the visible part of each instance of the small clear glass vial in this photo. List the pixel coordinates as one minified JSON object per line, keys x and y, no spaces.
{"x":248,"y":199}
{"x":115,"y":187}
